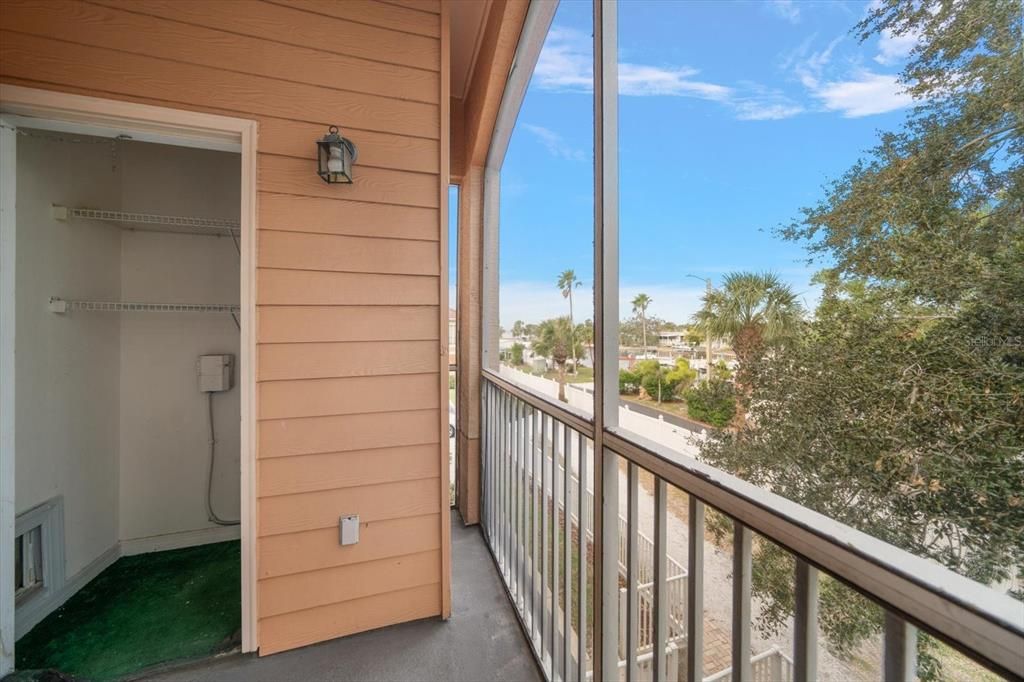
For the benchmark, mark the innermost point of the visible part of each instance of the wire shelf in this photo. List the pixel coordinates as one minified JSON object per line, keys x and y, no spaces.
{"x":151,"y":221}
{"x":60,"y":305}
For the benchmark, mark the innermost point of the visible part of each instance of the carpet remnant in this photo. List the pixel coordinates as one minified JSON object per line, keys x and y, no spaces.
{"x":142,"y":611}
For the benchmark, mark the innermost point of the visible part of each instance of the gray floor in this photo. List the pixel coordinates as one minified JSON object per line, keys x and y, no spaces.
{"x":481,"y":641}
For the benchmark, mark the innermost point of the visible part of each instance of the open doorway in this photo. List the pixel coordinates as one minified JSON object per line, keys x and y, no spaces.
{"x":130,"y":410}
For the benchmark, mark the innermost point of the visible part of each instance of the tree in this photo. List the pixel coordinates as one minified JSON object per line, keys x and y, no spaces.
{"x":631,"y":330}
{"x":566,"y":283}
{"x":754,"y":311}
{"x":517,"y":353}
{"x":585,"y":336}
{"x":897,"y":410}
{"x":659,"y":382}
{"x":713,"y":402}
{"x":518,"y":329}
{"x":555,"y":340}
{"x":640,"y":303}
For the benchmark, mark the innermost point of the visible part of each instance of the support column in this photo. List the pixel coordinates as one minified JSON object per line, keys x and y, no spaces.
{"x":470,"y":350}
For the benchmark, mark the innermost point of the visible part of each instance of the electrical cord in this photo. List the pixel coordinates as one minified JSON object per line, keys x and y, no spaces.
{"x":209,"y":479}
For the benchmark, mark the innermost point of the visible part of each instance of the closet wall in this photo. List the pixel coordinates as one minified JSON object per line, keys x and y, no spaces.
{"x":67,"y":421}
{"x":164,"y":444}
{"x":109,"y":413}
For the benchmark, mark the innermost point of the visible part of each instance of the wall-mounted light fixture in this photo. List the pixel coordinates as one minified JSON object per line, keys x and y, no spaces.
{"x":335,"y":156}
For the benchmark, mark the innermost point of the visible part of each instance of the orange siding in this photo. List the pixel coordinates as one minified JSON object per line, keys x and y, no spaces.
{"x":349,"y":281}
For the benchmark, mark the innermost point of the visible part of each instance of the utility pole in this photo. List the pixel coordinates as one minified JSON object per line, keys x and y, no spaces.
{"x":707,"y":337}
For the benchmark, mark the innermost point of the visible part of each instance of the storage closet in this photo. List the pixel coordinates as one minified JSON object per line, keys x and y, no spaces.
{"x":127,"y":345}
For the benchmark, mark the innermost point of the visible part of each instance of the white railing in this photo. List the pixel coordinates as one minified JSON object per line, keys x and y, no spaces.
{"x":525,"y":437}
{"x":769,"y":666}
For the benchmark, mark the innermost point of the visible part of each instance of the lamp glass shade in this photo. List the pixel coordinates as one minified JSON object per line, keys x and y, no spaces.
{"x":335,"y":156}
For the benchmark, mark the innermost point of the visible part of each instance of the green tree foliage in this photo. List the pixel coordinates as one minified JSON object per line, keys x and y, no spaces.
{"x":555,"y":340}
{"x":720,"y":370}
{"x":566,"y":283}
{"x":629,"y":382}
{"x":753,"y":311}
{"x":712,"y":402}
{"x":518,"y":329}
{"x":631,"y":330}
{"x":659,"y":382}
{"x":516,"y":353}
{"x":899,"y":410}
{"x":640,"y":304}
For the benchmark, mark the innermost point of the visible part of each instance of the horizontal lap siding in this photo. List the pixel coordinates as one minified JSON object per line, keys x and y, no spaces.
{"x":348,"y":279}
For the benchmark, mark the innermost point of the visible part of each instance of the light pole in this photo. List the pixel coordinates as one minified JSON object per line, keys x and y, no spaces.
{"x":707,"y":336}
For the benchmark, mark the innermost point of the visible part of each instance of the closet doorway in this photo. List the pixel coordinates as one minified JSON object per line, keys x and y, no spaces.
{"x":126,"y":357}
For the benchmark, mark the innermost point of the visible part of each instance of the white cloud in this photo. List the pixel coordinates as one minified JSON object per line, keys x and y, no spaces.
{"x":555,"y":143}
{"x":566,"y":65}
{"x":641,"y":81}
{"x":787,"y":9}
{"x":751,"y":110}
{"x":893,"y":49}
{"x":837,"y":88}
{"x":865,"y":94}
{"x":764,"y":104}
{"x":808,"y":66}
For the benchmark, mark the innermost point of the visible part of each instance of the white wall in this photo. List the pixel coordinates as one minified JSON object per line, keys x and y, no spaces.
{"x":109,"y":413}
{"x":67,"y":422}
{"x":164,"y":442}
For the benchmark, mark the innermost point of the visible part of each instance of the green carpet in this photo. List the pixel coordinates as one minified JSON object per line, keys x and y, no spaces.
{"x":142,"y":611}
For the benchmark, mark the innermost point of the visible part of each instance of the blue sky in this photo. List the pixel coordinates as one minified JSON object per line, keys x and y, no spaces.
{"x":733,"y":116}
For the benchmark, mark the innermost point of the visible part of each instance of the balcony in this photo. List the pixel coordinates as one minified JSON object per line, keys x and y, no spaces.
{"x":513,"y":576}
{"x":679,"y":605}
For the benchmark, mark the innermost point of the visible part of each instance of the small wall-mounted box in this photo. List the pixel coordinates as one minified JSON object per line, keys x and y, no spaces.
{"x":215,"y":373}
{"x":349,"y":529}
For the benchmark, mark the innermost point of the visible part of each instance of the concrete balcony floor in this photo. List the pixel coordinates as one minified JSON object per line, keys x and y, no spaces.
{"x":481,"y":641}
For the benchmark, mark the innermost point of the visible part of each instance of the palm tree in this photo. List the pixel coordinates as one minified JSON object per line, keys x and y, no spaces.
{"x":555,"y":340}
{"x":640,"y":303}
{"x":754,"y":311}
{"x":566,"y":283}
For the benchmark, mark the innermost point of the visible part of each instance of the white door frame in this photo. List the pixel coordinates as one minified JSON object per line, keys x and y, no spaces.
{"x":84,"y":115}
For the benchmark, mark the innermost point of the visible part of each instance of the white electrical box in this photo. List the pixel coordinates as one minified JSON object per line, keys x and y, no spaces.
{"x":215,"y":373}
{"x":349,"y":531}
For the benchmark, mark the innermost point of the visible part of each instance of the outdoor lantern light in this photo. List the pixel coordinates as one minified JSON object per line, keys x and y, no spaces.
{"x":335,"y":156}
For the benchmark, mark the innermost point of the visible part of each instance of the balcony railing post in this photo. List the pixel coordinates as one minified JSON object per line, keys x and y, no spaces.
{"x":581,"y":630}
{"x":805,"y":645}
{"x":545,"y":541}
{"x":660,"y":596}
{"x":695,"y":593}
{"x":741,"y":570}
{"x":555,"y":573}
{"x":632,"y":572}
{"x":899,"y":650}
{"x":537,"y":593}
{"x":567,"y":557}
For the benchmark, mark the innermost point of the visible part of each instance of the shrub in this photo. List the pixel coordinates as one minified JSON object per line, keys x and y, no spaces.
{"x":517,"y":354}
{"x":629,"y":382}
{"x":713,"y":402}
{"x":662,"y":381}
{"x":658,"y":385}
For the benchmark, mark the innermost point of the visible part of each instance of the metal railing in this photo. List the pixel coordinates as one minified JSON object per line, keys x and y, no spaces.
{"x":545,"y":559}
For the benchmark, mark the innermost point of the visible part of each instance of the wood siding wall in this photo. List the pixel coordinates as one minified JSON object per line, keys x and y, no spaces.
{"x":351,"y":281}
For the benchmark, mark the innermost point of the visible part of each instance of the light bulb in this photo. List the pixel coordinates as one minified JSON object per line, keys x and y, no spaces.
{"x":334,"y":162}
